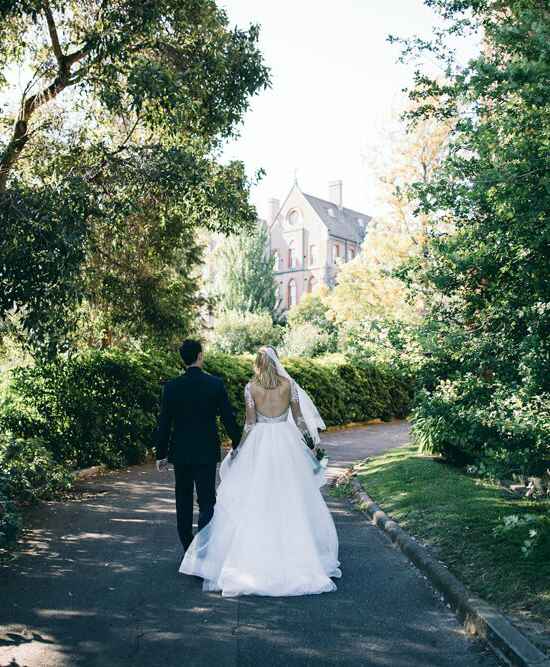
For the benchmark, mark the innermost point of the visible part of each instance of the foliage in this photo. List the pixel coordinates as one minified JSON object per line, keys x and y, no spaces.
{"x":531,"y":528}
{"x":367,"y":288}
{"x":10,"y":520}
{"x":102,"y":189}
{"x":239,"y":332}
{"x":306,"y":340}
{"x":29,"y":472}
{"x":485,"y":279}
{"x":244,"y":279}
{"x":343,"y":392}
{"x":469,"y":422}
{"x":314,"y":309}
{"x":371,"y":304}
{"x":95,"y":408}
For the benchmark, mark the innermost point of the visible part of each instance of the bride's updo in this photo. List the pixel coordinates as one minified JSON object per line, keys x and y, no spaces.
{"x":265,"y":370}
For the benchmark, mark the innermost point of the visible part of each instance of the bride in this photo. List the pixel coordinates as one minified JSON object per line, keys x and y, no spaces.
{"x":272,"y":532}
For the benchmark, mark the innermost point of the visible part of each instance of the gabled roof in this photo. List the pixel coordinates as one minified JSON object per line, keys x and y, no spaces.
{"x":344,"y":222}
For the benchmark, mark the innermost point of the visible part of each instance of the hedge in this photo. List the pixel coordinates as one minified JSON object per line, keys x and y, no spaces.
{"x":101,"y":408}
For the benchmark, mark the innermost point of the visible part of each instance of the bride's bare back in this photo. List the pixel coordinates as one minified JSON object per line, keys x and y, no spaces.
{"x":271,"y":402}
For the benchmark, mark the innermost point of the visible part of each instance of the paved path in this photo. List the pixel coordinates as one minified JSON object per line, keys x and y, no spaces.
{"x":96,"y":585}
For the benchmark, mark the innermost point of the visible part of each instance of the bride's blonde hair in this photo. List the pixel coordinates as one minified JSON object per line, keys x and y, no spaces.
{"x":265,"y":370}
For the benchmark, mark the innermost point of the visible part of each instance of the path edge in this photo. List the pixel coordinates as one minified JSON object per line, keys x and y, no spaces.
{"x":477,"y":616}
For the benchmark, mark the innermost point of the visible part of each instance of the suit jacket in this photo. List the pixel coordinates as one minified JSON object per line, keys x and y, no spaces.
{"x":187,"y":427}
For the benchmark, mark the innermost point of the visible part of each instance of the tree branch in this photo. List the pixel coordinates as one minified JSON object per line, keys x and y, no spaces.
{"x":63,"y":79}
{"x":76,"y":56}
{"x":52,"y":28}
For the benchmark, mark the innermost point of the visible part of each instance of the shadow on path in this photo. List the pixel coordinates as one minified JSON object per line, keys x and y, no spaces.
{"x":95,"y":584}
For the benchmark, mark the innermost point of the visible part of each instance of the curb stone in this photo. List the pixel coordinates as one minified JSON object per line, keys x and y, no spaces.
{"x":478,"y":617}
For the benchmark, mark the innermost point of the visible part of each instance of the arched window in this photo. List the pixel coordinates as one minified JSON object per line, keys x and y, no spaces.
{"x":276,"y":260}
{"x":291,"y":255}
{"x":311,"y":284}
{"x":313,"y":255}
{"x":293,"y":217}
{"x":292,"y":293}
{"x":335,"y":252}
{"x":351,"y":254}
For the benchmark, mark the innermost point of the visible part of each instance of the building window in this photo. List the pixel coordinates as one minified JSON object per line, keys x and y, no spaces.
{"x":293,"y":217}
{"x":312,"y":255}
{"x":279,"y":293}
{"x":311,"y":284}
{"x":351,"y":254}
{"x":276,"y":260}
{"x":291,"y":293}
{"x":291,"y":255}
{"x":335,"y":252}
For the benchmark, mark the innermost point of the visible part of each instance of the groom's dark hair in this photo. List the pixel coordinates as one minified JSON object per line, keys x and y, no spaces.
{"x":190,"y":350}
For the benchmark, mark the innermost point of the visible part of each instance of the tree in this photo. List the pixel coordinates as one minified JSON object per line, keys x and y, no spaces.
{"x":366,"y":287}
{"x":313,"y":313}
{"x":486,"y":279}
{"x":405,"y":154}
{"x":370,"y":302}
{"x":142,"y":96}
{"x":240,"y":332}
{"x":245,"y":279}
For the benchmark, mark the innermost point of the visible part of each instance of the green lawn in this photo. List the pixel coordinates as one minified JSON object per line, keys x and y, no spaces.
{"x":455,"y":514}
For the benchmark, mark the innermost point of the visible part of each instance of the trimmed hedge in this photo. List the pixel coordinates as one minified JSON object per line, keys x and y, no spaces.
{"x":101,"y":408}
{"x":95,"y":408}
{"x":343,"y":392}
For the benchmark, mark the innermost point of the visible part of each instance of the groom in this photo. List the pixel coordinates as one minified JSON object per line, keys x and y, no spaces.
{"x":187,"y":436}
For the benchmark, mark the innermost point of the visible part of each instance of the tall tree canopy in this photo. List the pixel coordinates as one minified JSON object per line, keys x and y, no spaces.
{"x":108,"y":160}
{"x":486,"y":279}
{"x":244,"y":279}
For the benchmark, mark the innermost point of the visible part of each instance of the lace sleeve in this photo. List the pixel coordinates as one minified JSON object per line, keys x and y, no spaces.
{"x":250,"y":417}
{"x":296,"y":410}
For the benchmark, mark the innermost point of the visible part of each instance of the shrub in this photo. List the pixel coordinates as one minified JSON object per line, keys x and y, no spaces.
{"x":313,"y":309}
{"x":470,"y":421}
{"x":29,"y":472}
{"x":239,"y":333}
{"x":95,"y":408}
{"x":343,"y":392}
{"x":306,"y":340}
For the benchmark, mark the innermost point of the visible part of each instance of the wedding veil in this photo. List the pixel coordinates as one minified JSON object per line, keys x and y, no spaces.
{"x":310,"y":413}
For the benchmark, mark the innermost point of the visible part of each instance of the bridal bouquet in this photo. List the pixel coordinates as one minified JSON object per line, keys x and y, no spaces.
{"x":320,"y":458}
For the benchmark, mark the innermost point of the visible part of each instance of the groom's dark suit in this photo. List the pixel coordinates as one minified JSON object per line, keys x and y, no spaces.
{"x":187,"y":435}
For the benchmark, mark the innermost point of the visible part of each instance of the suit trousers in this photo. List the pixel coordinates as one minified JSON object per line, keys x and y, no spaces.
{"x":203,"y":477}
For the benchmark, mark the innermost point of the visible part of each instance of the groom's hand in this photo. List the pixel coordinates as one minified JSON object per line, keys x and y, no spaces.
{"x":162,"y":465}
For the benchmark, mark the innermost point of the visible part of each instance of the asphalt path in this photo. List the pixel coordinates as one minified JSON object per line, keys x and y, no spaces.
{"x":95,"y":584}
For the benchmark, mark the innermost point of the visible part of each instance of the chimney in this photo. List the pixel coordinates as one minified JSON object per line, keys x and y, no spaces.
{"x":335,"y":193}
{"x":273,"y":207}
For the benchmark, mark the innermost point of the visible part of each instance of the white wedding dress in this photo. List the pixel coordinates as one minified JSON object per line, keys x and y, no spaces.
{"x":272,"y":532}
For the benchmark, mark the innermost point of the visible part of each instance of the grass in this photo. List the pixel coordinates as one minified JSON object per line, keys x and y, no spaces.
{"x":455,"y":514}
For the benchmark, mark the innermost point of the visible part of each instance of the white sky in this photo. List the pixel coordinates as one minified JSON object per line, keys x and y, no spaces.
{"x":335,"y":79}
